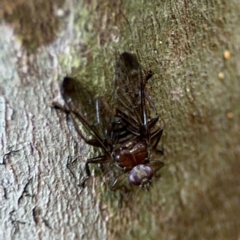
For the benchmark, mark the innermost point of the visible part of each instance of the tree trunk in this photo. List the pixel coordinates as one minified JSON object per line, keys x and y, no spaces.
{"x":193,"y":49}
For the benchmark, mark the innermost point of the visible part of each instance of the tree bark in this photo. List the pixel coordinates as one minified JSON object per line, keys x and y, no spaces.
{"x":193,"y":49}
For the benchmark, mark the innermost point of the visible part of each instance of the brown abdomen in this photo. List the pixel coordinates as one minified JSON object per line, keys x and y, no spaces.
{"x":131,"y":154}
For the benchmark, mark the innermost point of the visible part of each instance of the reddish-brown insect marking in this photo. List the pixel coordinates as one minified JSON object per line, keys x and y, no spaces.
{"x":126,"y":132}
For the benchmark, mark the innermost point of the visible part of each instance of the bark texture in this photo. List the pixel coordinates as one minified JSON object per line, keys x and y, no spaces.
{"x":196,"y":89}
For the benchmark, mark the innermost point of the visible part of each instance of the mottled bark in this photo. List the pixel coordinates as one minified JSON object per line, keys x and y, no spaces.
{"x":196,"y":89}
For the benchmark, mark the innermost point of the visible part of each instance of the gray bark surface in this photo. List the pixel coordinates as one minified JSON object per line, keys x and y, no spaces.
{"x":196,"y":90}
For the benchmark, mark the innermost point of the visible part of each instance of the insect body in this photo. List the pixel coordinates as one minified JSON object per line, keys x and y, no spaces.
{"x":124,"y":131}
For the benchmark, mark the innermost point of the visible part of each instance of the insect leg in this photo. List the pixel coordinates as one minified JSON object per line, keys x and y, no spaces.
{"x":118,"y":182}
{"x":156,"y":165}
{"x":150,"y":102}
{"x":131,"y":108}
{"x":95,"y":160}
{"x":117,"y":132}
{"x":156,"y":136}
{"x":97,"y":141}
{"x":152,"y":122}
{"x":149,"y":75}
{"x":99,"y":159}
{"x":60,"y":107}
{"x":94,"y":142}
{"x":129,"y":122}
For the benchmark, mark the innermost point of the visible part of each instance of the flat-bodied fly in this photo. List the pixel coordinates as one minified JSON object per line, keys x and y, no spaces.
{"x":125,"y":131}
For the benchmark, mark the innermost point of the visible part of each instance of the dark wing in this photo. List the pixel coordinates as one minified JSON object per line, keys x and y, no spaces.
{"x":89,"y":113}
{"x":130,"y":97}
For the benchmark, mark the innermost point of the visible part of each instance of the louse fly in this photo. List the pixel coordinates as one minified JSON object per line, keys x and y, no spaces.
{"x":125,"y":132}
